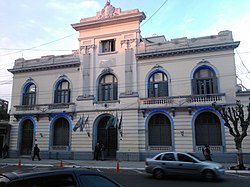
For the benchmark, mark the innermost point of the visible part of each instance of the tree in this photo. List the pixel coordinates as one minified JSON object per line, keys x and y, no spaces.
{"x":236,"y":123}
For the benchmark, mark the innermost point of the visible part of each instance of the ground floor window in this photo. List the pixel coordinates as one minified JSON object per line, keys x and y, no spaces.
{"x":27,"y":132}
{"x":159,"y":131}
{"x":61,"y":132}
{"x":208,"y":129}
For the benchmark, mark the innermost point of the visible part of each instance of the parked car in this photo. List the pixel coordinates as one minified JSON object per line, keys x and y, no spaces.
{"x":181,"y":163}
{"x":56,"y":178}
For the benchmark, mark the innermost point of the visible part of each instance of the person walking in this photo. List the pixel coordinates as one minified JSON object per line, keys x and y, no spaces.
{"x":206,"y":152}
{"x":5,"y":151}
{"x":97,"y":151}
{"x":102,"y":151}
{"x":36,"y":152}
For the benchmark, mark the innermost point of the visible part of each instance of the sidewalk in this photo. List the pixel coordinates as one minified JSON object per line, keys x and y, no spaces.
{"x":107,"y":164}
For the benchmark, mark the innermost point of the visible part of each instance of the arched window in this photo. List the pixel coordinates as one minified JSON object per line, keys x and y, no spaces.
{"x":62,"y":92}
{"x":108,"y":88}
{"x":159,"y":131}
{"x":29,"y":94}
{"x":158,"y":85}
{"x":61,"y":132}
{"x":204,"y":81}
{"x":208,"y":129}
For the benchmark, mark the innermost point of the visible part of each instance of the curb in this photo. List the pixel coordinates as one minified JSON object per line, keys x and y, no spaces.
{"x":107,"y":167}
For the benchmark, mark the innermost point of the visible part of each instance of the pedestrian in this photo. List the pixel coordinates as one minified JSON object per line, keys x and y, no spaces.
{"x":36,"y":152}
{"x":5,"y":151}
{"x":206,"y":152}
{"x":97,"y":151}
{"x":102,"y":151}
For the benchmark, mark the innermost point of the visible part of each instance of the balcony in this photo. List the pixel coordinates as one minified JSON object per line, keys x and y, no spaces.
{"x":182,"y":101}
{"x":44,"y":108}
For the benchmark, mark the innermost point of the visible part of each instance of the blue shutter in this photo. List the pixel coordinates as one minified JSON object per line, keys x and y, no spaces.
{"x":163,"y":88}
{"x":150,"y":89}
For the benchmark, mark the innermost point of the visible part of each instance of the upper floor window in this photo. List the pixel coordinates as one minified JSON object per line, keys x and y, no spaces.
{"x":62,"y":92}
{"x":204,"y":82}
{"x":107,"y":46}
{"x":29,"y":94}
{"x":108,"y":88}
{"x":158,"y":85}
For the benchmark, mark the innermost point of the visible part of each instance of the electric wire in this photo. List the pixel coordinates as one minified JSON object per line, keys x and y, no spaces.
{"x":154,"y":13}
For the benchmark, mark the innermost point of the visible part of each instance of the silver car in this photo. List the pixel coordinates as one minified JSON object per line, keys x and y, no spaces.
{"x":180,"y":163}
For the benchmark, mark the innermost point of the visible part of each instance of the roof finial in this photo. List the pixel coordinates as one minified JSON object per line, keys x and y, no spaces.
{"x":108,"y":2}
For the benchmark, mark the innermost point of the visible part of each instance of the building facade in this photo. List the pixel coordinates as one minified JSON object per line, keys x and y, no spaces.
{"x":138,"y":96}
{"x":4,"y":124}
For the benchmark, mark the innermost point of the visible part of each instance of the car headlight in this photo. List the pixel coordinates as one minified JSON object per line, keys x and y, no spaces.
{"x":219,"y":167}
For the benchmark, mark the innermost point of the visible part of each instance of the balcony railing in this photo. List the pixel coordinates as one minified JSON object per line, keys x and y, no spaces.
{"x":182,"y":101}
{"x":43,"y":108}
{"x":160,"y":148}
{"x":212,"y":148}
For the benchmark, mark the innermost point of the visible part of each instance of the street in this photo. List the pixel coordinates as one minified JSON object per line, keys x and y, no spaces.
{"x":133,"y":177}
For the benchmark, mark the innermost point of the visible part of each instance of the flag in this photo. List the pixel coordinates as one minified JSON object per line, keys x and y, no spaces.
{"x":78,"y":124}
{"x":82,"y":124}
{"x":86,"y":125}
{"x":120,"y":125}
{"x":112,"y":122}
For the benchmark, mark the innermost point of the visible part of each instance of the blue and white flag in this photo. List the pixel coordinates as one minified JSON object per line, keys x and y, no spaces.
{"x":78,"y":124}
{"x":112,"y":122}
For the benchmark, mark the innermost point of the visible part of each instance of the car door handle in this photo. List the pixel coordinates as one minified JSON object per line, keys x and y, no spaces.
{"x":180,"y":164}
{"x":163,"y":163}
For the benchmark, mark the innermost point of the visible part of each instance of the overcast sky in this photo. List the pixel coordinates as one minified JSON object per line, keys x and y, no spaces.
{"x":33,"y":28}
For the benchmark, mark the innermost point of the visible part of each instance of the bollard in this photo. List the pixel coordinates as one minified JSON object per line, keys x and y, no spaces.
{"x":61,"y":163}
{"x":117,"y":167}
{"x":19,"y":164}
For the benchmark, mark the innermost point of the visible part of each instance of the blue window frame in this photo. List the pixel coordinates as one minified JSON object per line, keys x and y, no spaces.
{"x":108,"y":88}
{"x":62,"y":92}
{"x":29,"y":94}
{"x":204,"y":81}
{"x":158,"y":85}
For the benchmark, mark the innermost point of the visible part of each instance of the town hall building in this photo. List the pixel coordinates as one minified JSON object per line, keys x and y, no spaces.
{"x":136,"y":95}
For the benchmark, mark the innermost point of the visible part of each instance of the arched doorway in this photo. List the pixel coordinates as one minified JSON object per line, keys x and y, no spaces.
{"x":208,"y":129}
{"x":61,"y":132}
{"x":159,"y":131}
{"x":27,"y":133}
{"x":107,"y":136}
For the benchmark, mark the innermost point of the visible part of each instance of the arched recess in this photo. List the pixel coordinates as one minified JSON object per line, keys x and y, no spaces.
{"x":60,"y":132}
{"x":204,"y":79}
{"x":107,"y":86}
{"x":27,"y":130}
{"x":157,"y":83}
{"x":29,"y":93}
{"x":208,"y":129}
{"x":159,"y":132}
{"x":62,"y":90}
{"x":102,"y":133}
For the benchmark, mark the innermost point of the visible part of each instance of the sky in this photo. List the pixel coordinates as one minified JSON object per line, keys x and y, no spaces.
{"x":31,"y":29}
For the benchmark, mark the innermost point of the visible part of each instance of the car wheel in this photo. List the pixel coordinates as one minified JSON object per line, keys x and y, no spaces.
{"x":158,"y":174}
{"x":209,"y":175}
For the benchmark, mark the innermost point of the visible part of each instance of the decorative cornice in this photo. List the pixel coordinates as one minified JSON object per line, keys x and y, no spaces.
{"x":188,"y":50}
{"x":45,"y":67}
{"x":139,"y":16}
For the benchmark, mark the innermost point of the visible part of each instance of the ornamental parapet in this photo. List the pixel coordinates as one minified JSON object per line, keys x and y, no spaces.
{"x":182,"y":101}
{"x":158,"y":46}
{"x":45,"y":63}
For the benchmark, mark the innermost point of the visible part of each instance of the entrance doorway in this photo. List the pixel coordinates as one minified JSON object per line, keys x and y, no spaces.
{"x":107,"y":136}
{"x":27,"y":132}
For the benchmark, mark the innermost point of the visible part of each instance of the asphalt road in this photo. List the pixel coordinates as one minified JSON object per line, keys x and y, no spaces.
{"x":133,"y":177}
